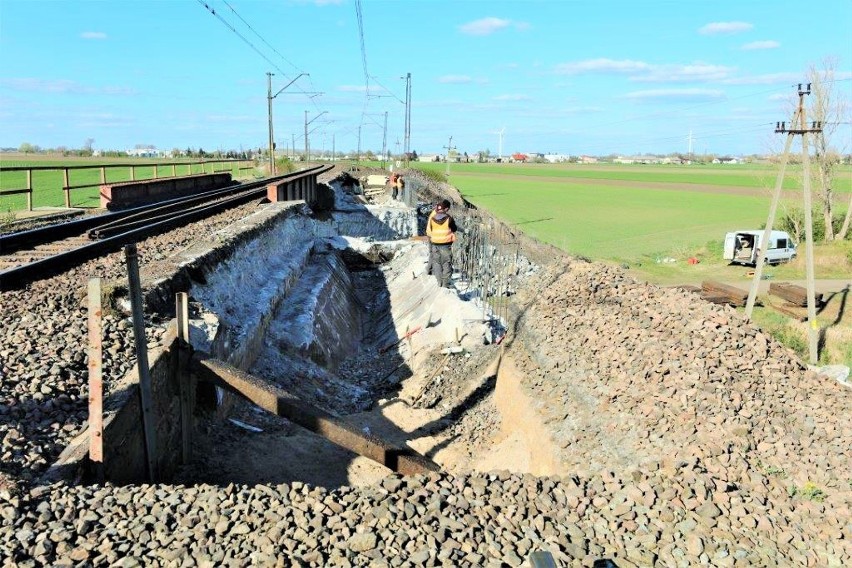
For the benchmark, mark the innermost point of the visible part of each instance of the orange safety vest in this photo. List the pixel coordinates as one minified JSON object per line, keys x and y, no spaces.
{"x":439,"y":233}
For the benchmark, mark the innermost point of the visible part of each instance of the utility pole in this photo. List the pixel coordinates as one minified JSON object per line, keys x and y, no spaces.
{"x":449,"y":148}
{"x":407,"y":146}
{"x":385,"y":141}
{"x":358,"y":156}
{"x":293,"y":144}
{"x":269,"y":97}
{"x":781,"y":128}
{"x":333,"y":148}
{"x":689,"y":145}
{"x":271,"y":143}
{"x":307,"y":122}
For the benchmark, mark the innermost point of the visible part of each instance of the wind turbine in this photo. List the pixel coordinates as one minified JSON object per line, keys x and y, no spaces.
{"x":500,"y":144}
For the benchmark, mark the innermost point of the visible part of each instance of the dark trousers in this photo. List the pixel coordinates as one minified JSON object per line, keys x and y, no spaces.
{"x":442,"y":263}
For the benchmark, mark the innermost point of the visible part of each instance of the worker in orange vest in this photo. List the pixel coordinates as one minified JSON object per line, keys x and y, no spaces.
{"x":441,"y":229}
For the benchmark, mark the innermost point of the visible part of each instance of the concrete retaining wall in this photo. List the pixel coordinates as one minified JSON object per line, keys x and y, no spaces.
{"x":116,"y":196}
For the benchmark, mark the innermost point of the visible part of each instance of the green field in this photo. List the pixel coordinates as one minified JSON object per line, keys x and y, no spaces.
{"x":48,"y":184}
{"x":613,"y":222}
{"x":633,"y":214}
{"x":744,"y":175}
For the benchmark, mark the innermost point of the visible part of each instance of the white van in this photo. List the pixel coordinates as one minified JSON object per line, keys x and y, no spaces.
{"x":743,"y":247}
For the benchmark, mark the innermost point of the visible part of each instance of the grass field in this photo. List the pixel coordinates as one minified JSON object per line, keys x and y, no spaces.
{"x":627,"y":215}
{"x":48,"y":184}
{"x":757,"y":176}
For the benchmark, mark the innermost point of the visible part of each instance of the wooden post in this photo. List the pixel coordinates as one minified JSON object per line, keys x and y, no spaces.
{"x":156,"y":172}
{"x":183,"y":377}
{"x":103,"y":174}
{"x":66,"y":183}
{"x":146,"y":398}
{"x":30,"y":190}
{"x":174,"y":170}
{"x":96,"y":384}
{"x":132,"y":173}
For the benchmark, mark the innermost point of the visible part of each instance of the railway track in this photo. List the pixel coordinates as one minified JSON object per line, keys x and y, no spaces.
{"x":45,"y":251}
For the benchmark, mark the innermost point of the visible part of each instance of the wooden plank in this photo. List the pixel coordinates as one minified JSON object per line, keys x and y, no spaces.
{"x":273,"y":398}
{"x":793,"y":293}
{"x":96,"y":383}
{"x":734,"y":295}
{"x":716,"y":299}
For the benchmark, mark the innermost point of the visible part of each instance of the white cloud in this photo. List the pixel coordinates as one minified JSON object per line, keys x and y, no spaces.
{"x":779,"y":97}
{"x":767,"y":44}
{"x":695,"y":72}
{"x":455,"y":79}
{"x":485,"y":26}
{"x":93,"y":35}
{"x":647,"y":72}
{"x":725,"y":28}
{"x":512,"y":98}
{"x":677,"y":94}
{"x":601,"y":65}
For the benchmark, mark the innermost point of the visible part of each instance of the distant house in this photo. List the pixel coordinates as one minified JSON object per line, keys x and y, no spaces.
{"x":642,"y":160}
{"x":518,"y":157}
{"x":727,"y":160}
{"x":556,"y":158}
{"x":587,"y":160}
{"x":429,"y":158}
{"x":144,"y":153}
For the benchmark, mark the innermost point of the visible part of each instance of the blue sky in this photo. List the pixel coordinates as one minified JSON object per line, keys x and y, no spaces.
{"x":571,"y":77}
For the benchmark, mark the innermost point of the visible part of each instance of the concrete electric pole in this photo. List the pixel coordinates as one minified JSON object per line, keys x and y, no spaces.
{"x":803,"y":130}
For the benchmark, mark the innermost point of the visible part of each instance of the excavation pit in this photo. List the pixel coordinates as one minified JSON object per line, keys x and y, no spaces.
{"x":335,"y":312}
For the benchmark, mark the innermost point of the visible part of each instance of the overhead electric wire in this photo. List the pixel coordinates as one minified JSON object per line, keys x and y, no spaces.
{"x":241,"y":36}
{"x":250,"y":44}
{"x":360,"y":19}
{"x":261,"y":38}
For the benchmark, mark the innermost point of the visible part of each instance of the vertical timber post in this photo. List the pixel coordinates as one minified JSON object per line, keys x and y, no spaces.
{"x":184,"y":387}
{"x":96,"y":384}
{"x":29,"y":190}
{"x":66,"y":186}
{"x":142,"y":360}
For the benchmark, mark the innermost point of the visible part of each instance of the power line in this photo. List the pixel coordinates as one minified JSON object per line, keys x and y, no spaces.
{"x":250,"y":44}
{"x":241,"y":36}
{"x":360,"y":19}
{"x":261,"y":38}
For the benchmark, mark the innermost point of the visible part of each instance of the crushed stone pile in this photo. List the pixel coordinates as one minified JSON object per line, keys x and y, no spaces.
{"x":645,"y":372}
{"x":495,"y":519}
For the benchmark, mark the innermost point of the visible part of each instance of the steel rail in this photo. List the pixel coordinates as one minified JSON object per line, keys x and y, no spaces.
{"x":117,"y":235}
